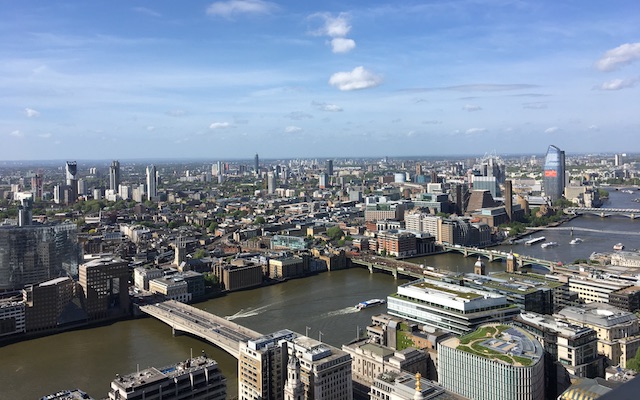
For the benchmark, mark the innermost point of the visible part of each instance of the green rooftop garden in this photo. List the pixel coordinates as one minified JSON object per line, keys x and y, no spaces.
{"x":471,"y":343}
{"x":464,"y":295}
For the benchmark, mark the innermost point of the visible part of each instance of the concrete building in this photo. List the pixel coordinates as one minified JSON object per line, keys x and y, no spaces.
{"x":618,"y":331}
{"x":287,"y":267}
{"x":495,"y":362}
{"x":152,"y":182}
{"x":105,"y":287}
{"x":572,"y":346}
{"x":383,"y":211}
{"x":12,"y":317}
{"x":197,"y":378}
{"x":369,"y":360}
{"x":114,"y":176}
{"x":284,"y":242}
{"x":172,"y":287}
{"x":46,"y":303}
{"x":405,"y":386}
{"x":627,"y":299}
{"x":596,"y":290}
{"x":143,"y":275}
{"x":233,"y":277}
{"x":450,"y":307}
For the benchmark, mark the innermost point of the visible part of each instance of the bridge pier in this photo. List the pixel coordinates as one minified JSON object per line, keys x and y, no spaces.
{"x":491,"y":257}
{"x":176,"y":332}
{"x":394,"y":272}
{"x":370,"y":267}
{"x":602,"y":215}
{"x":465,"y":252}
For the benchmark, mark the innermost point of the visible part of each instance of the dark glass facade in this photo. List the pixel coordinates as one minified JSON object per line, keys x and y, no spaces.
{"x":36,"y":253}
{"x":554,"y":171}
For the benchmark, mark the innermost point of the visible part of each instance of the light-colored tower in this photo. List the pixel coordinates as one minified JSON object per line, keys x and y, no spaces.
{"x":152,"y":182}
{"x":480,"y":268}
{"x":271,"y":182}
{"x":293,"y":389}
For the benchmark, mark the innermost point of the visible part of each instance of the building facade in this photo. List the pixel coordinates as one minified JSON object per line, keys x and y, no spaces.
{"x":105,"y":287}
{"x":554,"y":173}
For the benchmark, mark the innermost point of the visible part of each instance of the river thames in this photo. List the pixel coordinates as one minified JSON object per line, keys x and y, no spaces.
{"x":318,"y":305}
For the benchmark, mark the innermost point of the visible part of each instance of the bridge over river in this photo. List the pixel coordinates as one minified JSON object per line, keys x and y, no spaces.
{"x":496,"y":255}
{"x":632,"y":213}
{"x":216,"y":330}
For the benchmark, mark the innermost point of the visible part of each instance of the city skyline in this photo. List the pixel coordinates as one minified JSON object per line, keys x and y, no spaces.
{"x":227,"y":79}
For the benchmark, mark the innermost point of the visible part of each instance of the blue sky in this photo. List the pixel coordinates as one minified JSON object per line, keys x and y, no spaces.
{"x":228,"y":79}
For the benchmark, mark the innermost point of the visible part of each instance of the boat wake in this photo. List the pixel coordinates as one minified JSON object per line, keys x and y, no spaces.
{"x":342,"y":311}
{"x":247,"y":312}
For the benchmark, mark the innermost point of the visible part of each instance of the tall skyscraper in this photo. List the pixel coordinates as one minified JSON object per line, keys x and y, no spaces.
{"x":256,"y":164}
{"x":271,"y":182}
{"x":554,"y":171}
{"x":71,"y":172}
{"x":508,"y":198}
{"x":114,"y":175}
{"x":152,"y":182}
{"x":330,"y":167}
{"x":36,"y":186}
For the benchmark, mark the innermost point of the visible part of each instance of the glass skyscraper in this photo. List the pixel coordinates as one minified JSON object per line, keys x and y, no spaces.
{"x":554,"y":171}
{"x":36,"y":253}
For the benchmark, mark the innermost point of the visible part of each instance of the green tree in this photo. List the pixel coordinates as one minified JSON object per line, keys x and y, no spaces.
{"x":260,"y":220}
{"x":335,"y":233}
{"x":200,"y":253}
{"x":212,"y":226}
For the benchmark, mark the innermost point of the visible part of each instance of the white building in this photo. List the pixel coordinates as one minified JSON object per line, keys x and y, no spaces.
{"x":174,"y":288}
{"x":405,"y":386}
{"x":142,"y":276}
{"x":450,"y":307}
{"x":12,"y":317}
{"x":596,"y":290}
{"x":495,"y":362}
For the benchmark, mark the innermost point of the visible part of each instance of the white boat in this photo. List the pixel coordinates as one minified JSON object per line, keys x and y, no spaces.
{"x":618,"y":246}
{"x":576,"y":241}
{"x":534,"y":240}
{"x":549,"y":244}
{"x":369,"y":303}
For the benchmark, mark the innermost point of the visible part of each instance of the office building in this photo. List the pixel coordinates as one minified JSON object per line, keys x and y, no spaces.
{"x":627,"y":299}
{"x":36,"y":253}
{"x":493,"y":363}
{"x":71,"y":175}
{"x":12,"y":317}
{"x":271,"y":182}
{"x":383,"y":211}
{"x":152,"y":182}
{"x":323,"y":181}
{"x":197,"y":378}
{"x":369,"y":360}
{"x":450,"y":307}
{"x":554,"y":174}
{"x":49,"y":305}
{"x":114,"y":175}
{"x":261,"y":372}
{"x":405,"y":386}
{"x":397,"y":244}
{"x":596,"y":290}
{"x":232,"y":277}
{"x":618,"y":331}
{"x":508,"y":199}
{"x":171,"y":287}
{"x":37,"y":182}
{"x":574,"y":347}
{"x":105,"y":288}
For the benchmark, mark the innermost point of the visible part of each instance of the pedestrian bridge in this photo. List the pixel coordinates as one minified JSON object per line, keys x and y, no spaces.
{"x":632,"y":213}
{"x":183,"y":318}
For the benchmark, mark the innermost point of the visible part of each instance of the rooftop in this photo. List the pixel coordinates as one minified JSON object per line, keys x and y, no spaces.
{"x":599,"y":314}
{"x":151,"y":375}
{"x":502,"y":343}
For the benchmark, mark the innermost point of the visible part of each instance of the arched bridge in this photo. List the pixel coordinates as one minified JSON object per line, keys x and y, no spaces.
{"x":495,"y":255}
{"x":632,"y":213}
{"x":216,"y":330}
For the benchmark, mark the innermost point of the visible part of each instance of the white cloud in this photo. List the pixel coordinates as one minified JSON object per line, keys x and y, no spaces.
{"x":472,"y":131}
{"x":233,"y":7}
{"x":471,"y":107}
{"x":147,"y":11}
{"x":326,"y":106}
{"x":292,"y":129}
{"x":337,"y":26}
{"x":552,"y":129}
{"x":31,"y":113}
{"x":176,"y":113}
{"x":621,"y":55}
{"x":359,"y":78}
{"x":45,"y":135}
{"x":617,"y":84}
{"x":535,"y":106}
{"x":342,"y":45}
{"x":17,"y":133}
{"x":151,"y":128}
{"x":219,"y":125}
{"x":432,"y":122}
{"x":594,"y":128}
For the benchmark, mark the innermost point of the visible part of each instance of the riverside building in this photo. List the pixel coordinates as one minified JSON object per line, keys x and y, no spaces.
{"x":450,"y":307}
{"x":554,"y":171}
{"x":198,"y":378}
{"x":495,"y":362}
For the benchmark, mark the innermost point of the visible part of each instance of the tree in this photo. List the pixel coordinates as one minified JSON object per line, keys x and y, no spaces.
{"x":335,"y":233}
{"x":260,"y":220}
{"x":200,"y":253}
{"x":212,"y":226}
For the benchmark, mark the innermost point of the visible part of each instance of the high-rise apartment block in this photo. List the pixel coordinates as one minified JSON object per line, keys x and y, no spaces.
{"x":152,"y":182}
{"x":114,"y":175}
{"x":256,"y":164}
{"x":554,"y":171}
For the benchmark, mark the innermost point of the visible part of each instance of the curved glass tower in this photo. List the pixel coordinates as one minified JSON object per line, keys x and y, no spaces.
{"x":554,"y":171}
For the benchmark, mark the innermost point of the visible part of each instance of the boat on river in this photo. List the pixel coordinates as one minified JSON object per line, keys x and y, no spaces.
{"x":618,"y":246}
{"x":549,"y":244}
{"x":369,"y":303}
{"x":534,"y":240}
{"x":576,"y":241}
